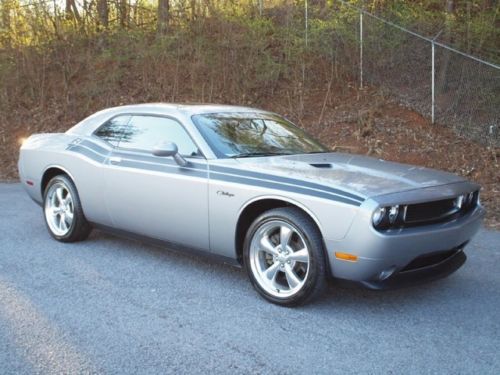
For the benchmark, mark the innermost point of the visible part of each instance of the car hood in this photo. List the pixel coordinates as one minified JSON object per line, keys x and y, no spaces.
{"x":361,"y":175}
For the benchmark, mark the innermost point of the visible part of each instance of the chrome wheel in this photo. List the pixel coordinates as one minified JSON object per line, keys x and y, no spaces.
{"x":59,"y":209}
{"x":279,"y":258}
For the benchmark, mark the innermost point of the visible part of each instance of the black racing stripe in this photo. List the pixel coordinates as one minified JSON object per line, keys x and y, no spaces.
{"x":165,"y":168}
{"x":144,"y":158}
{"x":277,"y":186}
{"x":139,"y":157}
{"x":240,"y":173}
{"x":241,"y":177}
{"x":94,"y":146}
{"x":156,"y":159}
{"x":286,"y":180}
{"x":87,"y":153}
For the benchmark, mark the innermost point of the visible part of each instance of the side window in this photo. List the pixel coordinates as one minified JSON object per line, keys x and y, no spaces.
{"x":145,"y":132}
{"x":112,"y":130}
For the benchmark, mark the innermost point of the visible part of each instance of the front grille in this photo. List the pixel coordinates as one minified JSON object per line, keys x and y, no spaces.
{"x":437,"y":211}
{"x":430,"y":211}
{"x":426,"y":213}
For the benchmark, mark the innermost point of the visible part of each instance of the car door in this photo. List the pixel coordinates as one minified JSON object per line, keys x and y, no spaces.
{"x":154,"y":196}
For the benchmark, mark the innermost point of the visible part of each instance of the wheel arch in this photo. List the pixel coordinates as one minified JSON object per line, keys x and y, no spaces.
{"x":50,"y":172}
{"x":255,"y":207}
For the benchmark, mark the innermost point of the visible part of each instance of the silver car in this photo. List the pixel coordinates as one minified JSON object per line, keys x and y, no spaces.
{"x":248,"y":187}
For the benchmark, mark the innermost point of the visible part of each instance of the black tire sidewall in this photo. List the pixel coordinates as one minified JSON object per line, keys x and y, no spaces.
{"x":79,"y":227}
{"x":317,"y":266}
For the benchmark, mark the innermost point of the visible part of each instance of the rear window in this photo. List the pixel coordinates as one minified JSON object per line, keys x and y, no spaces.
{"x":112,"y":130}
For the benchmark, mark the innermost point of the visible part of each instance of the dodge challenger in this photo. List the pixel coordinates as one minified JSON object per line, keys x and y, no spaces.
{"x":252,"y":189}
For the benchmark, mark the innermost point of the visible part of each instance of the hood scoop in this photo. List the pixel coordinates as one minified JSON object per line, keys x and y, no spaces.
{"x":321,"y":165}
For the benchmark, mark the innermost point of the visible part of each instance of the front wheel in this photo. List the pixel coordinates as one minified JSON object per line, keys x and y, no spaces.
{"x":284,"y":257}
{"x":63,"y":211}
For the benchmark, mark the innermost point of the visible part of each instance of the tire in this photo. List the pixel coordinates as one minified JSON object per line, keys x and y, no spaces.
{"x":282,"y":274}
{"x":63,"y":211}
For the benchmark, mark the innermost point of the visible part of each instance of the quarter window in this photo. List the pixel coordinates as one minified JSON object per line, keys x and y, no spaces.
{"x":145,"y":132}
{"x":112,"y":130}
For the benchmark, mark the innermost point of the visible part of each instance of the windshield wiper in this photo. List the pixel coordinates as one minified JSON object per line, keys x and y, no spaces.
{"x":251,"y":154}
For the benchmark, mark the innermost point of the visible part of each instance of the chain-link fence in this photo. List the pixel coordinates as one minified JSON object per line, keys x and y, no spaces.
{"x":445,"y":85}
{"x":467,"y":95}
{"x":397,"y":62}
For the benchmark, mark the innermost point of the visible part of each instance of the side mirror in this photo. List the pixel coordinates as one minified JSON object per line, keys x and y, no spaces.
{"x":166,"y":149}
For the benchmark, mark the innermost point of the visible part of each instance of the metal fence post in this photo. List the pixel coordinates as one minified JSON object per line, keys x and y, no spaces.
{"x":260,"y":7}
{"x":361,"y":49}
{"x":433,"y":79}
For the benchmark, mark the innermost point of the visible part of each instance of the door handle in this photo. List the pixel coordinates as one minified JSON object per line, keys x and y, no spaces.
{"x":115,"y":160}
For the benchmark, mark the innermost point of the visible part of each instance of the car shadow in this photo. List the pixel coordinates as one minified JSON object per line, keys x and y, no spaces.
{"x":455,"y":290}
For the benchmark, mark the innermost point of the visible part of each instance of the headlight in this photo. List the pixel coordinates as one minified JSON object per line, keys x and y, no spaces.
{"x":378,"y":216}
{"x":459,"y":201}
{"x":470,"y":198}
{"x":466,"y":200}
{"x":384,"y":217}
{"x":393,"y":214}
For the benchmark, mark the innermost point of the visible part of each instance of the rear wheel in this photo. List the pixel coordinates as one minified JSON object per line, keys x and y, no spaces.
{"x":284,"y":257}
{"x":63,"y":211}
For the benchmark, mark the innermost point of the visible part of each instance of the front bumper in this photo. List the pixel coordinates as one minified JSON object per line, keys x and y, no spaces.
{"x":383,"y":256}
{"x":420,"y":275}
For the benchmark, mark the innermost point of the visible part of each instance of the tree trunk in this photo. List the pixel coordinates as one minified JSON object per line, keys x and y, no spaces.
{"x":318,"y":3}
{"x":5,"y":7}
{"x":488,"y":4}
{"x":123,"y":13}
{"x":163,"y":12}
{"x":72,"y":10}
{"x":445,"y":61}
{"x":193,"y":10}
{"x":103,"y":13}
{"x":5,"y":23}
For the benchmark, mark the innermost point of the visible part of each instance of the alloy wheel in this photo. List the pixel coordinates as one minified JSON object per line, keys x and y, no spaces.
{"x":279,"y":258}
{"x":59,"y":209}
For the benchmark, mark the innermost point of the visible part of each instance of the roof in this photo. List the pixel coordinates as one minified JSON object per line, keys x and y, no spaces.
{"x":188,"y":109}
{"x":88,"y":125}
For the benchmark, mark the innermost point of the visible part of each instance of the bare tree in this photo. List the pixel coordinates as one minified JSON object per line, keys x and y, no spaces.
{"x":72,"y":10}
{"x":488,"y":4}
{"x":5,"y":22}
{"x":193,"y":10}
{"x":103,"y":13}
{"x":447,"y":36}
{"x":163,"y":15}
{"x":5,"y":8}
{"x":123,"y":11}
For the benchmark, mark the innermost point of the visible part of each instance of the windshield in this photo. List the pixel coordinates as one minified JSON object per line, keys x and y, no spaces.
{"x":254,"y":134}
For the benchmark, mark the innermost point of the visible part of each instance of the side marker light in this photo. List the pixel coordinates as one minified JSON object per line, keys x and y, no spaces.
{"x":346,"y":256}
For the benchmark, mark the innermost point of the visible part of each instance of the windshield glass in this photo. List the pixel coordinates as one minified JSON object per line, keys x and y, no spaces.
{"x":254,"y":134}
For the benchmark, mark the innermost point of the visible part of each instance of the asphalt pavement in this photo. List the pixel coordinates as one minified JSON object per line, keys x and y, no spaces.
{"x":115,"y":306}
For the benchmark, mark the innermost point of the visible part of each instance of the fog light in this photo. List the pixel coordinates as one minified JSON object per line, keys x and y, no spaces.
{"x":385,"y":274}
